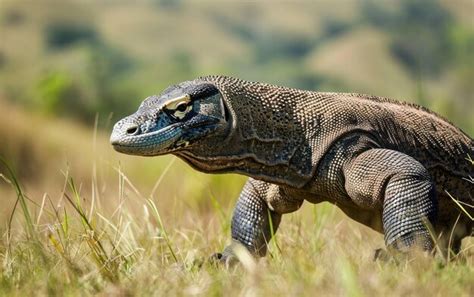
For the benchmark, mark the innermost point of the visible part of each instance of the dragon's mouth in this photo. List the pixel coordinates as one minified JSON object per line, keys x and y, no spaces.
{"x":119,"y":139}
{"x":164,"y":141}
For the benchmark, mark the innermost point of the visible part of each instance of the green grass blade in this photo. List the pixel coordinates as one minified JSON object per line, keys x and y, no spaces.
{"x":165,"y":234}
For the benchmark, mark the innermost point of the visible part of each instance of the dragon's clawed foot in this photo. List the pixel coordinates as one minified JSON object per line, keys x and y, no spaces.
{"x":233,"y":254}
{"x":226,"y":259}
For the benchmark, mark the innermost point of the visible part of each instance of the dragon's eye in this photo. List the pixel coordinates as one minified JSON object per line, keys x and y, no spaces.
{"x":182,"y":106}
{"x":179,"y":107}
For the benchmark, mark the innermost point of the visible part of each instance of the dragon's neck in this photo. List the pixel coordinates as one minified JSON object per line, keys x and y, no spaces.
{"x":266,"y":141}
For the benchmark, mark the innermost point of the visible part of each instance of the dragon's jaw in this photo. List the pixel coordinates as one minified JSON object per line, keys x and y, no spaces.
{"x":168,"y":139}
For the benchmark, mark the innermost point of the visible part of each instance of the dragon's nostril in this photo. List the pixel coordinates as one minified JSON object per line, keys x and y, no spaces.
{"x":133,"y":130}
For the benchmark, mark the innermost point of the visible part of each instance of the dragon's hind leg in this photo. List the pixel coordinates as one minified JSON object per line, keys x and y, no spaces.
{"x":401,"y":188}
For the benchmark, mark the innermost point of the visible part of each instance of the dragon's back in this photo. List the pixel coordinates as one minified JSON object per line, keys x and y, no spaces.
{"x":441,"y":147}
{"x":418,"y":132}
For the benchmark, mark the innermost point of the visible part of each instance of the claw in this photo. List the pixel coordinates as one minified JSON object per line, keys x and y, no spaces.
{"x":381,"y":255}
{"x":215,"y":258}
{"x":225,"y":258}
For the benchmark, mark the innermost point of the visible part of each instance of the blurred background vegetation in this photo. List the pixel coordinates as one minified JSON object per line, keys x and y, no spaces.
{"x":68,"y":66}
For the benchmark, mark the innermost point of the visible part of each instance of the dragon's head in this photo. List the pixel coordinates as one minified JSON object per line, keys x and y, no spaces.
{"x":180,"y":117}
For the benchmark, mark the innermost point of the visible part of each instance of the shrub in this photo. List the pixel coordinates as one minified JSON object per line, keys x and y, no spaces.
{"x":62,"y":34}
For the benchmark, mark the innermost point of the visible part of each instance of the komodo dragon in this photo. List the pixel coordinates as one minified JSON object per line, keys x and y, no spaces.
{"x":386,"y":164}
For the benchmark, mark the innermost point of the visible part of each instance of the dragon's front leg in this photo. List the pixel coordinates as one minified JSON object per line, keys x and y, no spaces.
{"x":257,"y":213}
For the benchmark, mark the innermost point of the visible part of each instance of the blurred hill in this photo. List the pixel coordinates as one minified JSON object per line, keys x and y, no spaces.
{"x":74,"y":60}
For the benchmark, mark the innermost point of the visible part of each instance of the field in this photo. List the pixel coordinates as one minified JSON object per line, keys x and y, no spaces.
{"x":79,"y":219}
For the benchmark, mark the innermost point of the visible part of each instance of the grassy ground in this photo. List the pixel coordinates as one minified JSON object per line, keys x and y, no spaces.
{"x":116,"y":225}
{"x":81,"y":246}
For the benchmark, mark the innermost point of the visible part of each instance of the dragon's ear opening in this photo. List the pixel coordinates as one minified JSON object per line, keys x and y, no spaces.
{"x":226,"y":112}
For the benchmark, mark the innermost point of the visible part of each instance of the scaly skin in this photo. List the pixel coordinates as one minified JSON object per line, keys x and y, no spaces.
{"x":386,"y":164}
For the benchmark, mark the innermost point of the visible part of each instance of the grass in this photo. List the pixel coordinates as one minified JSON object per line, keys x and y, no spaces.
{"x":79,"y":246}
